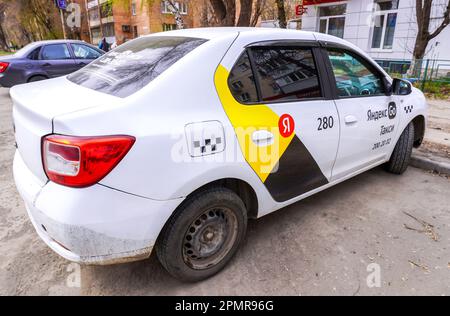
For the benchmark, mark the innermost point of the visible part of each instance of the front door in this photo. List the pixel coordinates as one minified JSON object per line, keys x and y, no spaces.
{"x":368,"y":116}
{"x":84,"y":54}
{"x":287,"y":131}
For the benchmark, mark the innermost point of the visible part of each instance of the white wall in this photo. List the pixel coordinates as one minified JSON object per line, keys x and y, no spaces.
{"x":358,"y":30}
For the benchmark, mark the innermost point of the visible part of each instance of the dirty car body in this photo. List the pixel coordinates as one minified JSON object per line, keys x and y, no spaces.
{"x":262,"y":117}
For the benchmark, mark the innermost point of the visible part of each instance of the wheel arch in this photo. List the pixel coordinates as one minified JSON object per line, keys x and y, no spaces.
{"x":419,"y":129}
{"x":242,"y":188}
{"x":37,"y":75}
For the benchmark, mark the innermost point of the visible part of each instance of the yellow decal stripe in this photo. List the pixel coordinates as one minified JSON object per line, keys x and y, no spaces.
{"x":248,"y":118}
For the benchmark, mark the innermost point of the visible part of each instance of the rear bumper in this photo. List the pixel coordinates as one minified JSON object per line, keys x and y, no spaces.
{"x":4,"y":82}
{"x":95,"y":225}
{"x":8,"y":80}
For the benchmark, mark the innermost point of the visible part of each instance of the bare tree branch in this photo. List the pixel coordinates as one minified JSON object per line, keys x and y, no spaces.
{"x":423,"y":15}
{"x":444,"y":23}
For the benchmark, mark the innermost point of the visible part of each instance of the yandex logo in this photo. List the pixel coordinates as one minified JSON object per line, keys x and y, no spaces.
{"x":286,"y":125}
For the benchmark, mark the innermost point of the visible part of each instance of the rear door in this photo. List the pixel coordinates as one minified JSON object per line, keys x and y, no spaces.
{"x":84,"y":54}
{"x":56,"y":60}
{"x":285,"y":121}
{"x":368,"y":115}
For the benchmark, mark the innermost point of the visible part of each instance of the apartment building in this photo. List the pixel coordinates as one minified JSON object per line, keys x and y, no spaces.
{"x":120,"y":21}
{"x":383,"y":28}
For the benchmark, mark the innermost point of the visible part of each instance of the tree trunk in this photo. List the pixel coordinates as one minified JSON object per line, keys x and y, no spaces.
{"x":257,"y":11}
{"x":224,"y":11}
{"x":3,"y":38}
{"x":281,"y":14}
{"x":246,"y":13}
{"x":423,"y":16}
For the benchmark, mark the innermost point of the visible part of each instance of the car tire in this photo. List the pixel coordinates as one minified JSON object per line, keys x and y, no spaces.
{"x":37,"y":78}
{"x":401,"y":155}
{"x":216,"y":219}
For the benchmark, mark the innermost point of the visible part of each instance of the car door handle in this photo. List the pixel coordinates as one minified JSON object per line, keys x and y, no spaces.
{"x":262,"y":138}
{"x":350,"y":119}
{"x":46,"y":65}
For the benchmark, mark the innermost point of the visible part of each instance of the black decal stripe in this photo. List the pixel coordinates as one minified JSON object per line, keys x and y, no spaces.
{"x":297,"y":173}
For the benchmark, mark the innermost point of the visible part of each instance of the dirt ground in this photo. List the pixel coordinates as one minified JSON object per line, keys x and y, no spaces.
{"x":329,"y":244}
{"x":437,"y":136}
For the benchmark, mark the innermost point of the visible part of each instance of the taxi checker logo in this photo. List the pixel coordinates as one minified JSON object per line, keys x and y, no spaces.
{"x":390,"y":112}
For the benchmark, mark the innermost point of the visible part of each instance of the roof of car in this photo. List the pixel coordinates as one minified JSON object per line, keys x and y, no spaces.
{"x":262,"y":32}
{"x":58,"y":41}
{"x":30,"y":47}
{"x":217,"y":32}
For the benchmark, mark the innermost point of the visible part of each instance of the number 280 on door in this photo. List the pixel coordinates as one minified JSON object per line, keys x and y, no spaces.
{"x":325,"y":122}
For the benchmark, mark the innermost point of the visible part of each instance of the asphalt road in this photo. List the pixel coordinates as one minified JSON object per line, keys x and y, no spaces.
{"x":329,"y":244}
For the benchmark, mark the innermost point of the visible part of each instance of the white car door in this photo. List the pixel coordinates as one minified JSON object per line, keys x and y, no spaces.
{"x":368,"y":115}
{"x":286,"y":124}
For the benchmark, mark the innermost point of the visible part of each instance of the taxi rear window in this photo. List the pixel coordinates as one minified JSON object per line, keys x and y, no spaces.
{"x":135,"y":64}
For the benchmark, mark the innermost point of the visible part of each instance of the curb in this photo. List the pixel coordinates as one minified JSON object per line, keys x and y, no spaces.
{"x":430,"y":162}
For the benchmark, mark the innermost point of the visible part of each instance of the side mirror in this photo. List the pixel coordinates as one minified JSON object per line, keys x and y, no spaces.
{"x":401,"y":87}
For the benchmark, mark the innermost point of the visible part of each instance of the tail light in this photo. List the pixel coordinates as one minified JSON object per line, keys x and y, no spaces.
{"x":82,"y":161}
{"x":3,"y":67}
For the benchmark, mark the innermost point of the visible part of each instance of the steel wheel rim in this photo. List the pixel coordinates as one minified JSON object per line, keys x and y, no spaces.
{"x":209,"y":238}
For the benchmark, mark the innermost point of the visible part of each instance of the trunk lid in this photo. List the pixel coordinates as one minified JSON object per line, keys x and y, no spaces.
{"x":35,"y":106}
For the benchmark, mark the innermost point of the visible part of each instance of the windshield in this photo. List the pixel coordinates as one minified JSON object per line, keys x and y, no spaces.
{"x":133,"y":65}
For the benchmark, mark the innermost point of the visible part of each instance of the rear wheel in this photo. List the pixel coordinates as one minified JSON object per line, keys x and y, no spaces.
{"x":37,"y":78}
{"x":203,"y":234}
{"x":402,"y":152}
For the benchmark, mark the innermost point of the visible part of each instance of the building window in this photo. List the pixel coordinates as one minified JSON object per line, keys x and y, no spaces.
{"x":385,"y":19}
{"x":166,"y":7}
{"x":169,"y":27}
{"x":183,"y":8}
{"x":96,"y":35}
{"x":133,"y":7}
{"x":94,"y":16}
{"x":106,"y":9}
{"x":180,"y":6}
{"x":332,"y":20}
{"x":108,"y":30}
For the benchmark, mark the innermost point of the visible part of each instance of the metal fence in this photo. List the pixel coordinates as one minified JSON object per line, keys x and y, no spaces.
{"x":429,"y":75}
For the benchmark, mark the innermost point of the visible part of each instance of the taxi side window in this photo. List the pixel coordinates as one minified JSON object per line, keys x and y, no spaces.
{"x":242,"y":82}
{"x":354,"y":77}
{"x":286,"y":74}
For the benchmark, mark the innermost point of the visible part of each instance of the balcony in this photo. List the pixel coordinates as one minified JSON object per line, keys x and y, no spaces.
{"x":92,"y":4}
{"x":108,"y":19}
{"x":94,"y":22}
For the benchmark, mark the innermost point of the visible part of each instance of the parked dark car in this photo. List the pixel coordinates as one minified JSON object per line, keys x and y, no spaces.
{"x":46,"y":59}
